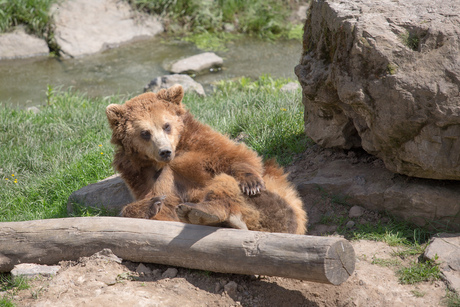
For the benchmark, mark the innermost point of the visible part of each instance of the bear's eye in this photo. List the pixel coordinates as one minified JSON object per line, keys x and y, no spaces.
{"x":167,"y":127}
{"x":145,"y":134}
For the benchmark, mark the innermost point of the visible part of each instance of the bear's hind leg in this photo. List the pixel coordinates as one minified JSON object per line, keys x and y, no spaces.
{"x":223,"y":205}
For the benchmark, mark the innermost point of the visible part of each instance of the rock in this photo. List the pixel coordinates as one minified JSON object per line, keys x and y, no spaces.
{"x":385,"y":76}
{"x":189,"y":85}
{"x":445,"y":249}
{"x":290,"y":87}
{"x":143,"y":270}
{"x":30,"y":270}
{"x":18,"y":44}
{"x":350,"y":224}
{"x":232,"y":289}
{"x":197,"y":64}
{"x":105,"y":254}
{"x":321,"y":230}
{"x":111,"y":194}
{"x":85,"y":27}
{"x":170,"y":273}
{"x":356,"y":211}
{"x":34,"y":110}
{"x":423,"y":202}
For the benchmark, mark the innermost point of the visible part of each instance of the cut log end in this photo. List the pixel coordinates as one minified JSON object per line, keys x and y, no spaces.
{"x":339,"y":263}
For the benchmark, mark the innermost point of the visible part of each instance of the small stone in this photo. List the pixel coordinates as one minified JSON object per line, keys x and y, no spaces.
{"x":30,"y":270}
{"x":356,"y":211}
{"x":350,"y":224}
{"x":197,"y":63}
{"x":34,"y":110}
{"x":231,"y":288}
{"x":165,"y":82}
{"x":290,"y":87}
{"x":170,"y":273}
{"x":143,"y":270}
{"x":217,"y":287}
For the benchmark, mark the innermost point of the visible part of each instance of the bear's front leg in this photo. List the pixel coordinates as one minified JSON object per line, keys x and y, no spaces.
{"x":250,"y":180}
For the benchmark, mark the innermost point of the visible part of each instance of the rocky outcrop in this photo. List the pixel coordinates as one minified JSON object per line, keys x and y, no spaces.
{"x":165,"y":82}
{"x":361,"y":179}
{"x":196,"y":64}
{"x":385,"y":76}
{"x":19,"y":44}
{"x":84,"y":27}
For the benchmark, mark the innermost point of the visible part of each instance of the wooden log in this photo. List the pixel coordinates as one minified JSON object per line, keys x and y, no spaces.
{"x":318,"y":259}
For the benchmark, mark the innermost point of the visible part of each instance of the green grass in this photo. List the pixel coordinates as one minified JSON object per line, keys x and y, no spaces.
{"x":418,"y":272}
{"x":33,"y":14}
{"x":46,"y":156}
{"x":195,"y":18}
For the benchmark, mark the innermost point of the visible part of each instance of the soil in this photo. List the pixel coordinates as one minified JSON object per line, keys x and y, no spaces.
{"x":97,"y":281}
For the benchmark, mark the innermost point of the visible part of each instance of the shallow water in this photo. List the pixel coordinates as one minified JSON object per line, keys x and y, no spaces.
{"x":127,"y":69}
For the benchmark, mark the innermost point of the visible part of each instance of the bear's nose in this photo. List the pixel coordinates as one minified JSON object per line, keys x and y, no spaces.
{"x":165,"y":154}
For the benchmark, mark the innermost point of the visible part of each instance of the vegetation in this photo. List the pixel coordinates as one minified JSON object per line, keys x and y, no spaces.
{"x":205,"y":23}
{"x":419,"y":271}
{"x":33,"y":14}
{"x":9,"y":287}
{"x":264,"y":18}
{"x":47,"y":156}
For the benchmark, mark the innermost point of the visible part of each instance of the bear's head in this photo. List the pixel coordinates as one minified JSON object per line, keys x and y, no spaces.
{"x":149,"y":125}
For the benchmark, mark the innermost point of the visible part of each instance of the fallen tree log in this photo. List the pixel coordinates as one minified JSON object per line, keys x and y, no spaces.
{"x":318,"y":259}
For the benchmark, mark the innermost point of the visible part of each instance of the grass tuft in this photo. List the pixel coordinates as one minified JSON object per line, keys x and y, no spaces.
{"x":419,"y":272}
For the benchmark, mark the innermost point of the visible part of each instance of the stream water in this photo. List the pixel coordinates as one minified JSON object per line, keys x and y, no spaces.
{"x":129,"y":68}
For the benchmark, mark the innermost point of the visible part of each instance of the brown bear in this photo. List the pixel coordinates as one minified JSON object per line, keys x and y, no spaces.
{"x":179,"y":169}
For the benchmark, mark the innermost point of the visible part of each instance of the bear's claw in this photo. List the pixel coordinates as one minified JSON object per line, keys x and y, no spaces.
{"x":155,"y":206}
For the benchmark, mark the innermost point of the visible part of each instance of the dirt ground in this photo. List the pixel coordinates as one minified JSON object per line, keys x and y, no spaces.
{"x":97,"y":281}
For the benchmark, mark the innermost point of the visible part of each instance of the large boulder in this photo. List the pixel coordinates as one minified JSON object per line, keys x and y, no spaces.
{"x":19,"y":44}
{"x":385,"y":76}
{"x":86,"y":26}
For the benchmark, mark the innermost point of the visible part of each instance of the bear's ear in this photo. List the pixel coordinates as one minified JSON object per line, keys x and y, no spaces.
{"x":173,"y":94}
{"x":114,"y":114}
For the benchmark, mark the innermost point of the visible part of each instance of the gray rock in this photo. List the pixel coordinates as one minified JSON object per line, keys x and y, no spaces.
{"x":232,"y":289}
{"x":30,"y":270}
{"x":18,"y":44}
{"x":445,"y":249}
{"x":189,"y":85}
{"x":143,"y":270}
{"x":290,"y":87}
{"x":85,"y":27}
{"x":170,"y":273}
{"x":110,"y":193}
{"x":420,"y":201}
{"x":106,"y":254}
{"x":356,"y":211}
{"x":197,"y":64}
{"x":384,"y":76}
{"x":34,"y":110}
{"x":350,"y":224}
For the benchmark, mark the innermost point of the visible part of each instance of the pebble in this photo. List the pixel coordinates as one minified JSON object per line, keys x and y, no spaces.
{"x":356,"y":211}
{"x":350,"y":224}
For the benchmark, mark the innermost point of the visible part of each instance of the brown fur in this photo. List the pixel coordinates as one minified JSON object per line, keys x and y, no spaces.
{"x":179,"y":169}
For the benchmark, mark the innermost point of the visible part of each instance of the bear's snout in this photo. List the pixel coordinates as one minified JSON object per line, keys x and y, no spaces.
{"x":165,"y":154}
